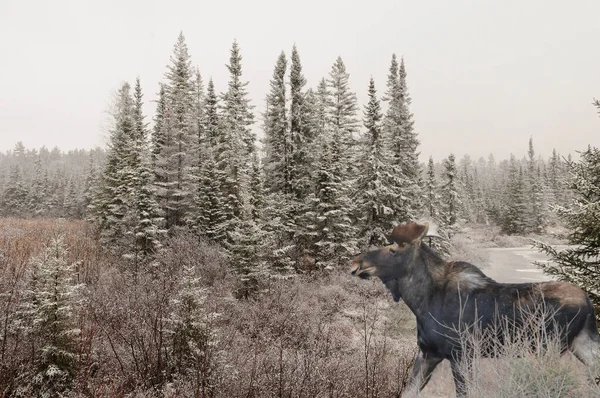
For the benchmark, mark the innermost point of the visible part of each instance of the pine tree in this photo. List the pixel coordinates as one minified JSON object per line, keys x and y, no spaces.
{"x":450,"y":196}
{"x":300,"y":133}
{"x":124,"y":207}
{"x":401,"y":138}
{"x":514,"y":206}
{"x":307,"y":232}
{"x":535,"y":195}
{"x":179,"y":151}
{"x":334,"y":232}
{"x":277,"y":162}
{"x":237,"y":111}
{"x":246,"y":252}
{"x":341,"y":115}
{"x":14,"y":199}
{"x":145,"y":222}
{"x":579,"y":263}
{"x":47,"y":316}
{"x":211,"y":116}
{"x":432,"y":199}
{"x":376,"y":197}
{"x":39,"y":190}
{"x":209,"y":217}
{"x":110,"y":203}
{"x":555,"y":174}
{"x":158,"y":134}
{"x":192,"y":341}
{"x":234,"y":151}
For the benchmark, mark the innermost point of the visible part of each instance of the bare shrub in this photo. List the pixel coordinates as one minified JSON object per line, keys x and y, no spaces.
{"x":524,"y":360}
{"x":313,"y":335}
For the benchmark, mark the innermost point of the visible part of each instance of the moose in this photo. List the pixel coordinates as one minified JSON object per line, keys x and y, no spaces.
{"x":449,"y":296}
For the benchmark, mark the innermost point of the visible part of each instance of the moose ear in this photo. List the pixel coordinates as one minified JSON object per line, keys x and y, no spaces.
{"x":409,"y":233}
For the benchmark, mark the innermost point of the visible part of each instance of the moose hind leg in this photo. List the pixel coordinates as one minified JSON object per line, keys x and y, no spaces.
{"x":586,"y":348}
{"x":422,"y":370}
{"x":586,"y":345}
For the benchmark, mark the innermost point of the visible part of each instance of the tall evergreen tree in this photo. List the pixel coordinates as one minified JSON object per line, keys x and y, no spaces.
{"x":300,"y":133}
{"x":178,"y":153}
{"x":237,"y":111}
{"x":236,"y":146}
{"x":450,"y":196}
{"x":377,"y":177}
{"x":401,"y":138}
{"x":144,"y":220}
{"x":535,"y":194}
{"x":158,"y":134}
{"x":432,"y":199}
{"x":278,"y":146}
{"x":341,"y":116}
{"x":579,"y":263}
{"x":209,"y":214}
{"x":514,"y":212}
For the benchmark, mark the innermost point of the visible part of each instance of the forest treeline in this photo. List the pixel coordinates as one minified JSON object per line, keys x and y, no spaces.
{"x":326,"y":179}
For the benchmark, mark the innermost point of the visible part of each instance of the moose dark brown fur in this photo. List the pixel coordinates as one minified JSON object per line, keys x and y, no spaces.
{"x":447,"y":297}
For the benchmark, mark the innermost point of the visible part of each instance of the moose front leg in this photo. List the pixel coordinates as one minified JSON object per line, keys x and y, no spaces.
{"x":421,"y":373}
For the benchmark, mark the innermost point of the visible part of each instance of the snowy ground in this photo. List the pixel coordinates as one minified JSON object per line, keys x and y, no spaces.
{"x":515,"y":264}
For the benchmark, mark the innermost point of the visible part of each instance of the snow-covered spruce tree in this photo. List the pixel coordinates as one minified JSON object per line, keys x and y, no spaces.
{"x":401,"y":139}
{"x":277,"y":170}
{"x":143,"y":218}
{"x":235,"y":149}
{"x":514,"y":211}
{"x":208,"y":213}
{"x":450,"y":199}
{"x":124,"y":208}
{"x":176,"y":157}
{"x":555,"y":177}
{"x":432,"y":198}
{"x":237,"y":111}
{"x":335,"y":232}
{"x":14,"y":198}
{"x":307,"y":223}
{"x":192,"y":349}
{"x":301,"y":135}
{"x":47,"y":316}
{"x":158,"y":132}
{"x":277,"y":145}
{"x":342,"y":116}
{"x":247,"y":242}
{"x":91,"y":181}
{"x":535,"y":195}
{"x":579,"y":264}
{"x":39,"y":190}
{"x":198,"y":171}
{"x":111,"y":199}
{"x":376,"y":196}
{"x":410,"y":165}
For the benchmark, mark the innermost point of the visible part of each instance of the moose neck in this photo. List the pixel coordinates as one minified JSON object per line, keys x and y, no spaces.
{"x":416,"y":287}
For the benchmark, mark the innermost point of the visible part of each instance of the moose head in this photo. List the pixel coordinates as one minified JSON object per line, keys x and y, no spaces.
{"x":392,"y":261}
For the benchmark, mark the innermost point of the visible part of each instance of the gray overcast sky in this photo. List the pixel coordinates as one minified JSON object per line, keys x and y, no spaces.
{"x":484,"y":75}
